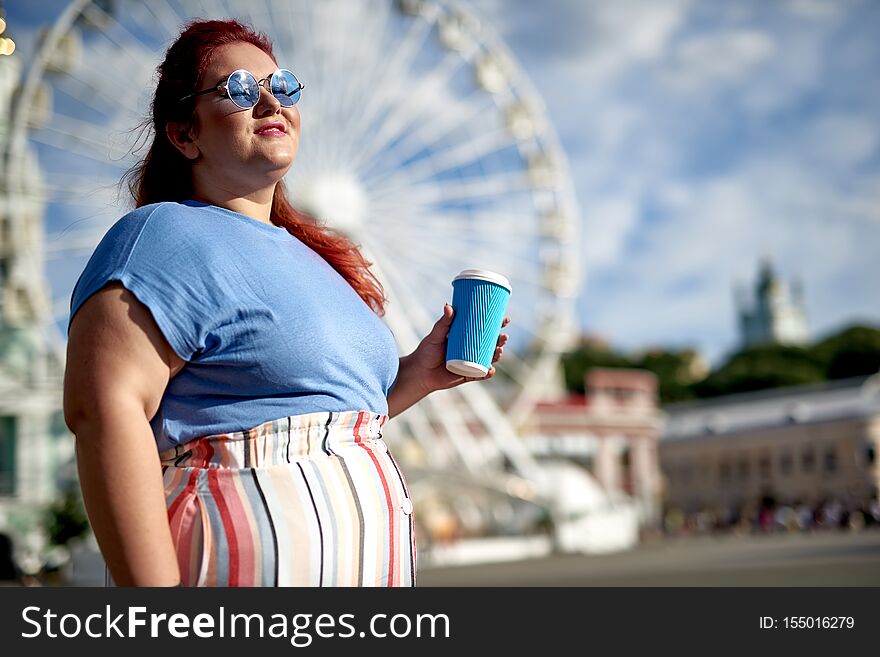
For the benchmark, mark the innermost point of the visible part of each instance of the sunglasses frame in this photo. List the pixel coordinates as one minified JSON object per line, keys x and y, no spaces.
{"x":224,"y":87}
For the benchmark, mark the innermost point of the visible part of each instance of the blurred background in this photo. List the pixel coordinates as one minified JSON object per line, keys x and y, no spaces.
{"x":685,"y":196}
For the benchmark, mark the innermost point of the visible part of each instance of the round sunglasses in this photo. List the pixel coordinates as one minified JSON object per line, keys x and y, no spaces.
{"x":243,"y":88}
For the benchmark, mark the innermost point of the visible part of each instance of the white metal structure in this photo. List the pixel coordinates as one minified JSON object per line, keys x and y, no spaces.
{"x":422,"y":139}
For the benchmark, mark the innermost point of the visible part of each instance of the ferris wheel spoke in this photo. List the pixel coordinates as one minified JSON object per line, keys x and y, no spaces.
{"x":434,"y":273}
{"x":79,"y":200}
{"x":398,"y":66}
{"x":434,"y":282}
{"x":453,"y":254}
{"x":215,"y":9}
{"x":453,"y":157}
{"x":404,"y":114}
{"x":86,"y":183}
{"x":417,"y":315}
{"x":524,"y":274}
{"x":81,"y":144}
{"x":129,"y":45}
{"x":318,"y":89}
{"x":314,"y":62}
{"x":342,"y":20}
{"x":81,"y":242}
{"x":280,"y":45}
{"x":485,"y":237}
{"x":368,"y":62}
{"x":105,"y":138}
{"x":161,"y":11}
{"x":71,"y":144}
{"x":479,"y":225}
{"x":426,"y":134}
{"x":503,"y":185}
{"x":92,"y":95}
{"x":114,"y":79}
{"x":68,"y":193}
{"x":336,"y":18}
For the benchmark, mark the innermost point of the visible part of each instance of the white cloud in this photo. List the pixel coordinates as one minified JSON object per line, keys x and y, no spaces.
{"x":624,"y":34}
{"x":839,"y":140}
{"x":608,"y":223}
{"x":706,"y":59}
{"x":593,"y":40}
{"x":815,"y":9}
{"x":679,"y":285}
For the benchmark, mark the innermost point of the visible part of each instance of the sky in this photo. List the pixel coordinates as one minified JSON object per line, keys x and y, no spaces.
{"x":701,"y":138}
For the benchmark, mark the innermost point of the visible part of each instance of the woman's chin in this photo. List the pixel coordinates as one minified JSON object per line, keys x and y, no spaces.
{"x":278,"y":162}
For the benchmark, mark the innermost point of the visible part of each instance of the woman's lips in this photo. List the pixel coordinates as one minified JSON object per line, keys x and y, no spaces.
{"x":272,"y":130}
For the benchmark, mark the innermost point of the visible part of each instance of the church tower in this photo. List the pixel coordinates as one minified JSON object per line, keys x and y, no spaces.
{"x":775,"y":312}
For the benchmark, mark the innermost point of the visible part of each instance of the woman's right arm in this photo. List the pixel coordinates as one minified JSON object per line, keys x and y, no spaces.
{"x":118,"y":366}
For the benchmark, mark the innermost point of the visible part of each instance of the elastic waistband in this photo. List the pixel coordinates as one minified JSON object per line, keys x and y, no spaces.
{"x":278,"y":441}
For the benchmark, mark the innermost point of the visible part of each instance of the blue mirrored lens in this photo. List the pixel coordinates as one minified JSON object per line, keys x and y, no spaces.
{"x":285,"y":87}
{"x":243,"y":89}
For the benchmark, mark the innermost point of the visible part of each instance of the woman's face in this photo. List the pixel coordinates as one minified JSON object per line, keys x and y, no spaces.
{"x":250,"y":148}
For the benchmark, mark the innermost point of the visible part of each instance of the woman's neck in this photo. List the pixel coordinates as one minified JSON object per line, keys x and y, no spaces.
{"x":257,"y":204}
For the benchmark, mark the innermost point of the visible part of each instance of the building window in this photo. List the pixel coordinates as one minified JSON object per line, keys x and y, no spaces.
{"x":687,"y":472}
{"x":724,"y":471}
{"x":764,"y":466}
{"x":742,"y":470}
{"x":785,"y":463}
{"x":808,"y":460}
{"x":7,"y":455}
{"x":870,"y":454}
{"x":830,"y":460}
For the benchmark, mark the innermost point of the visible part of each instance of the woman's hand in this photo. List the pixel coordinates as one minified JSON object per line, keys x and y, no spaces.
{"x":428,"y":361}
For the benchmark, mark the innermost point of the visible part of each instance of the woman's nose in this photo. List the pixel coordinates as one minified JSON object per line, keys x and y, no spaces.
{"x":267,"y":104}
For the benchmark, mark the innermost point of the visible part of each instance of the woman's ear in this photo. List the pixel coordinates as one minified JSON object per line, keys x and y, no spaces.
{"x":180,"y":136}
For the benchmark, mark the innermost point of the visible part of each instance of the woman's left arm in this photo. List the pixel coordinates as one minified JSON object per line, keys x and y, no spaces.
{"x":424,"y":370}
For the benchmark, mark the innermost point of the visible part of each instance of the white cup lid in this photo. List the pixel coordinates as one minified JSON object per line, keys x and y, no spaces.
{"x":485,"y":275}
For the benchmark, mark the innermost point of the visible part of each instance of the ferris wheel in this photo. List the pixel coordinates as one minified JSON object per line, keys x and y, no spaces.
{"x":422,"y":140}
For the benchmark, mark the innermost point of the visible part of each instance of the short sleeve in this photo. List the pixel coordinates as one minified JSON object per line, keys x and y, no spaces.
{"x":148,"y":252}
{"x":393,"y":383}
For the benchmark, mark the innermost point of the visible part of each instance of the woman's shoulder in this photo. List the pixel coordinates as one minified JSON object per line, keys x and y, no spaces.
{"x":161,"y":215}
{"x":164,"y":223}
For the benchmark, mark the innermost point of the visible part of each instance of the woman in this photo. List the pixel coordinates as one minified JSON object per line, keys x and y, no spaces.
{"x":228,"y":376}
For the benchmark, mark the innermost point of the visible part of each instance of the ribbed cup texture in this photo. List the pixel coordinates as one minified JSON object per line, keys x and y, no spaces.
{"x":479,"y":312}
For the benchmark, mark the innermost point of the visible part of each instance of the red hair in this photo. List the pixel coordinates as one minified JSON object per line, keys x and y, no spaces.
{"x":164,"y":173}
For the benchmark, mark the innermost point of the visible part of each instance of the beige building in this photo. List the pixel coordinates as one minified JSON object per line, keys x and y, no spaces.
{"x":36,"y":449}
{"x":805,"y":444}
{"x":611,"y":431}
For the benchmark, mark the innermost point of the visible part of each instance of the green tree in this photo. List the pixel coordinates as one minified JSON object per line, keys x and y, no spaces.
{"x":66,"y":519}
{"x":762,"y":367}
{"x":576,"y":363}
{"x":855,"y":351}
{"x":674,"y":371}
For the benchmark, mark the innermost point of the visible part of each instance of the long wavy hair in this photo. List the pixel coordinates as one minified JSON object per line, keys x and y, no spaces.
{"x":164,"y":173}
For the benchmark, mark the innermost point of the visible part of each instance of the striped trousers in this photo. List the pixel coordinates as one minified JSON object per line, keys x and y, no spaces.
{"x":307,"y":500}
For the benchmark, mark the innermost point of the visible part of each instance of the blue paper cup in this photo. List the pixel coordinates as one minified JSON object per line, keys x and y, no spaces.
{"x":479,"y":298}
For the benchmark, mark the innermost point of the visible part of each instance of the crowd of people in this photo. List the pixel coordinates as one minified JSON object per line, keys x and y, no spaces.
{"x":770,"y":517}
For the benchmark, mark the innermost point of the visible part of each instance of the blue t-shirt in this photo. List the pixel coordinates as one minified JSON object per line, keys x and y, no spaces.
{"x":268,"y":327}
